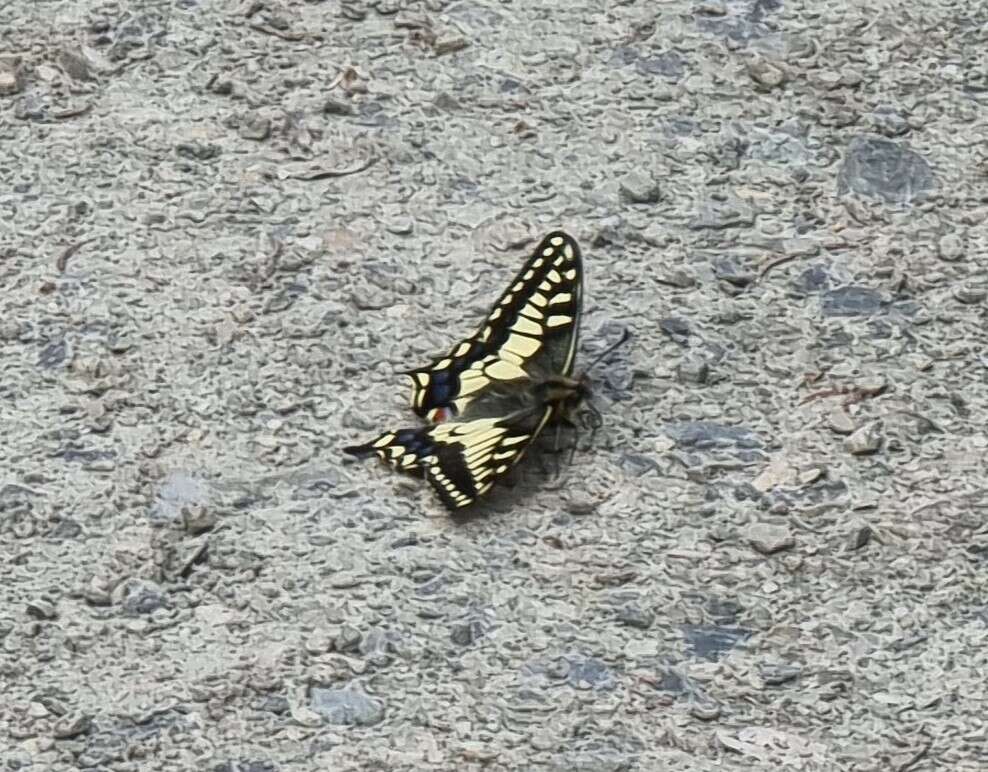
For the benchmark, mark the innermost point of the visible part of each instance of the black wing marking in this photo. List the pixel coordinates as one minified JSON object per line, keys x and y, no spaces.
{"x":531,"y":332}
{"x":461,"y":459}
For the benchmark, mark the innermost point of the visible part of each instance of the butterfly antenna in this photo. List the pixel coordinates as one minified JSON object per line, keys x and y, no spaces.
{"x":609,"y":350}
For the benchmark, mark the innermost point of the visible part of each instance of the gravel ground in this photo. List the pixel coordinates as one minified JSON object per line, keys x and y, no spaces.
{"x":226,"y":226}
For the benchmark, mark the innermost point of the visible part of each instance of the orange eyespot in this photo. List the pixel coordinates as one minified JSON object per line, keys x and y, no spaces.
{"x":440,"y":415}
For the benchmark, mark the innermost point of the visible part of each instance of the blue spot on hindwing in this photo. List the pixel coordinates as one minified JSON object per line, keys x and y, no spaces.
{"x":441,"y":393}
{"x":414,"y":442}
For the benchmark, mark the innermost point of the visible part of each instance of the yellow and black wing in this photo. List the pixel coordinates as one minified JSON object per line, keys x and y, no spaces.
{"x":461,"y":459}
{"x":494,"y":383}
{"x":530,"y":333}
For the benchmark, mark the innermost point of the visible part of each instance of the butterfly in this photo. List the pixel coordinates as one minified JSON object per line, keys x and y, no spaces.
{"x":493,"y":393}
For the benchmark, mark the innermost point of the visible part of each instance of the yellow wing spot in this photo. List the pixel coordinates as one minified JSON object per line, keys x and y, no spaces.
{"x":504,"y":371}
{"x":395,"y":451}
{"x":484,"y":488}
{"x":485,"y":334}
{"x":495,"y":314}
{"x":527,"y":326}
{"x":519,"y":286}
{"x":486,"y":436}
{"x":528,"y":274}
{"x":442,"y":364}
{"x":548,"y":251}
{"x":520,"y":345}
{"x":504,"y":454}
{"x":568,"y":251}
{"x":562,"y":297}
{"x":558,"y":321}
{"x":510,"y":356}
{"x":546,"y":285}
{"x":559,"y":261}
{"x":423,"y":379}
{"x":532,"y":313}
{"x":418,"y":396}
{"x":537,"y":263}
{"x":538,"y":299}
{"x":570,"y":274}
{"x":469,"y":385}
{"x":462,"y":349}
{"x":554,"y":276}
{"x":501,"y":469}
{"x":384,"y":439}
{"x":407,"y":461}
{"x":506,"y":300}
{"x":556,"y":241}
{"x":514,"y":440}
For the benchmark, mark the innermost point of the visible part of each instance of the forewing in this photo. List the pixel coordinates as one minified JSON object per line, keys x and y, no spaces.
{"x":530,"y":332}
{"x":461,"y":459}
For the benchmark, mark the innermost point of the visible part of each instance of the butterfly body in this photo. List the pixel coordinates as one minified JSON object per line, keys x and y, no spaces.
{"x":494,"y":392}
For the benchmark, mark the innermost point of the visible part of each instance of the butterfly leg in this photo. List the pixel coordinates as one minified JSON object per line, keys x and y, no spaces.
{"x":592,"y":421}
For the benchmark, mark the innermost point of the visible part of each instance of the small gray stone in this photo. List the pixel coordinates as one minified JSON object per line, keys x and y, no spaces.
{"x":640,"y":188}
{"x":969,"y":294}
{"x":256,"y":128}
{"x":776,"y":675}
{"x":766,"y":75}
{"x":466,"y":633}
{"x":400,"y":226}
{"x":839,"y":421}
{"x":10,"y":77}
{"x":635,"y":616}
{"x":861,"y":534}
{"x":71,"y":726}
{"x":41,"y":608}
{"x":879,"y":168}
{"x":334,"y":106}
{"x":693,"y":369}
{"x":769,"y":539}
{"x":951,"y":247}
{"x":346,"y":707}
{"x":851,"y":301}
{"x":197,"y":518}
{"x":589,"y":673}
{"x":138,"y":597}
{"x":347,"y":639}
{"x":864,"y":441}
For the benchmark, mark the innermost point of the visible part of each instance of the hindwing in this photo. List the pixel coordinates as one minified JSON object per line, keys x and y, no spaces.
{"x":461,"y":459}
{"x":530,"y":333}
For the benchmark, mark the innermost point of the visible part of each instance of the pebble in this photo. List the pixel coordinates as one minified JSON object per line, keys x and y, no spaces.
{"x":256,"y":128}
{"x":951,"y":248}
{"x":345,"y":706}
{"x":969,"y":294}
{"x":860,"y":535}
{"x":640,"y":188}
{"x":635,"y":616}
{"x":766,"y":74}
{"x":768,"y":539}
{"x":864,"y":441}
{"x":41,"y":608}
{"x":72,"y":725}
{"x":10,"y":78}
{"x":839,"y":421}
